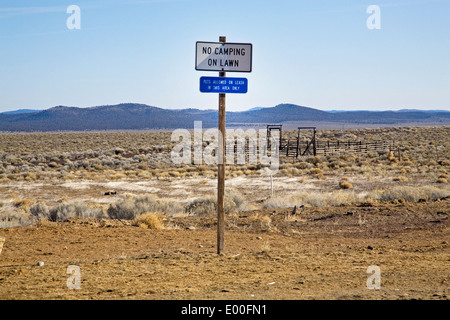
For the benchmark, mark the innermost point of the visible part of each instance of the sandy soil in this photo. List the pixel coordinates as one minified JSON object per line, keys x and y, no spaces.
{"x":318,"y":253}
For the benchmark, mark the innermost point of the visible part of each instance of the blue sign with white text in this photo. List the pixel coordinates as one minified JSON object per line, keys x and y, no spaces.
{"x":223,"y":85}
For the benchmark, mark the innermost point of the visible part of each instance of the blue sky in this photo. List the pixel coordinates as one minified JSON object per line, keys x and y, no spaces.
{"x":313,"y":53}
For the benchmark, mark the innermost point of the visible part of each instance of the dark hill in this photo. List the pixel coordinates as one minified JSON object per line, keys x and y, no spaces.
{"x":20,"y":111}
{"x":132,"y":116}
{"x":280,"y":113}
{"x":116,"y":117}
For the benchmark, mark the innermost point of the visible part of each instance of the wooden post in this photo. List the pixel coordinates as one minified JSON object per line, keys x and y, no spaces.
{"x":2,"y":239}
{"x":314,"y":142}
{"x":221,"y":170}
{"x":271,"y":186}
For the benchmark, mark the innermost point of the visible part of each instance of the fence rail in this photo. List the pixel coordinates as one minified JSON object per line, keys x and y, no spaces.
{"x":293,"y":148}
{"x":332,"y":147}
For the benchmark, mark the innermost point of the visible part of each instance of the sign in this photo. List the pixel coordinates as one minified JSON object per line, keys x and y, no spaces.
{"x":223,"y":56}
{"x":223,"y":85}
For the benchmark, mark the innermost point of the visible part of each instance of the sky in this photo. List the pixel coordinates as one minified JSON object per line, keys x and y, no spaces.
{"x":315,"y":53}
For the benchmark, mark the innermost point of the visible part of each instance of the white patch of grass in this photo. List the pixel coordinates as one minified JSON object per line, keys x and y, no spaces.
{"x":411,"y":194}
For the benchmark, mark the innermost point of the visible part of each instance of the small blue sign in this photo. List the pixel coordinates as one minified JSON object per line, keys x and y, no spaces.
{"x":223,"y":85}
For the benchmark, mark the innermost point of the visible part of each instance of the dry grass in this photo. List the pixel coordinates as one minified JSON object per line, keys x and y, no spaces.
{"x":150,"y":220}
{"x":264,"y":221}
{"x":67,"y":210}
{"x":146,"y":155}
{"x":130,"y":208}
{"x":343,"y":184}
{"x":10,"y":218}
{"x":410,"y":194}
{"x":23,"y":204}
{"x":265,"y":248}
{"x":286,"y":201}
{"x":400,"y":178}
{"x":420,"y":165}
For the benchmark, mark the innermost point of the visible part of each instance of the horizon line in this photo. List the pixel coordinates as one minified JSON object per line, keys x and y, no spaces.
{"x":213,"y":108}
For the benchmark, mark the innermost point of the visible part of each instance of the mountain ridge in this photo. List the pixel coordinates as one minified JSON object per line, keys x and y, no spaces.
{"x":135,"y":116}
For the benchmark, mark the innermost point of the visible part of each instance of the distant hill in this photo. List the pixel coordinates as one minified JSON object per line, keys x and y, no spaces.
{"x":127,"y":116}
{"x":255,"y":109}
{"x":20,"y":111}
{"x":429,"y":111}
{"x":401,"y":110}
{"x":132,"y":116}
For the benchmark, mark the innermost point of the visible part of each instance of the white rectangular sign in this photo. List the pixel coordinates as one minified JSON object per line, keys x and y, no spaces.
{"x":223,"y":56}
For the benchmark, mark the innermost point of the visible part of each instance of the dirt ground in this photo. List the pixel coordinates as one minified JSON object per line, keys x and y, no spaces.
{"x":318,"y":253}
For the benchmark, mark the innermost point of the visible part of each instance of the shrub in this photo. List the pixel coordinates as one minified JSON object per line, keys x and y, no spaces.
{"x":40,"y":211}
{"x":277,"y":202}
{"x":313,"y":199}
{"x":236,"y":200}
{"x":343,"y":184}
{"x":301,"y":165}
{"x":391,"y":156}
{"x":149,"y":220}
{"x":314,"y":160}
{"x":130,"y":208}
{"x":320,"y":176}
{"x":10,"y":218}
{"x":410,"y":194}
{"x":202,"y":206}
{"x":263,"y":221}
{"x":53,"y":164}
{"x":441,"y":180}
{"x":233,"y":203}
{"x":23,"y":204}
{"x":265,"y":248}
{"x":65,"y":211}
{"x":316,"y":171}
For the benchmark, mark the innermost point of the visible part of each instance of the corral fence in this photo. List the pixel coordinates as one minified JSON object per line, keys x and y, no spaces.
{"x":342,"y":147}
{"x":308,"y":145}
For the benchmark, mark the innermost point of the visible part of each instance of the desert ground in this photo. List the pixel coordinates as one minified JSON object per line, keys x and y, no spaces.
{"x":137,"y":226}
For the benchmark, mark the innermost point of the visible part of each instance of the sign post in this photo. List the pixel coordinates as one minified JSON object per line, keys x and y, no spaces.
{"x":221,"y":168}
{"x":223,"y":85}
{"x":223,"y":57}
